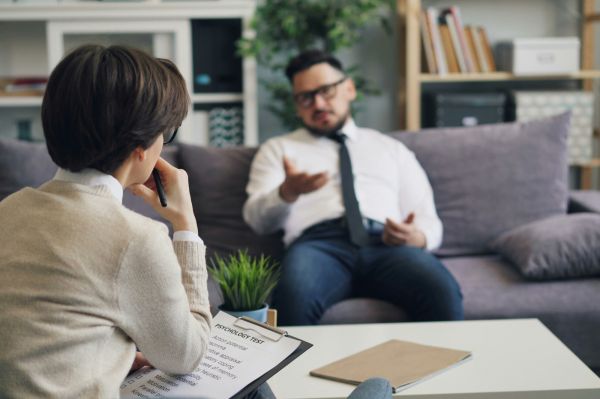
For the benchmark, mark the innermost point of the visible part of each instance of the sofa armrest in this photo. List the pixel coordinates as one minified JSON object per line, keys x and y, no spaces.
{"x":584,"y":201}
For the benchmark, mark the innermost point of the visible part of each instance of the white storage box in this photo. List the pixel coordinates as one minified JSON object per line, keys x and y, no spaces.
{"x":539,"y":104}
{"x":542,"y":56}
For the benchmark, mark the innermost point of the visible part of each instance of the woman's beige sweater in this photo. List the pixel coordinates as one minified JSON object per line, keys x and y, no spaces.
{"x":83,"y":280}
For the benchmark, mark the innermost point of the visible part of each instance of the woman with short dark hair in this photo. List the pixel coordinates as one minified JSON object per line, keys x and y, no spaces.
{"x":83,"y":280}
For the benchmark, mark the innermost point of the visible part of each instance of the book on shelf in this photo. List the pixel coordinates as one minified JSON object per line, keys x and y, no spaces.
{"x":23,"y":86}
{"x":460,"y":32}
{"x":436,"y":40}
{"x":489,"y":55}
{"x":450,"y":46}
{"x":477,"y":49}
{"x":449,"y":51}
{"x":428,"y":50}
{"x":458,"y":50}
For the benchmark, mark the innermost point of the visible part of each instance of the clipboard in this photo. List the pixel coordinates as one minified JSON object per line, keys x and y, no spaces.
{"x":273,"y":334}
{"x":215,"y":379}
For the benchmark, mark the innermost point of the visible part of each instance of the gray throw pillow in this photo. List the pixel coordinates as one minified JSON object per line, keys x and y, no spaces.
{"x":557,"y":247}
{"x":489,"y":179}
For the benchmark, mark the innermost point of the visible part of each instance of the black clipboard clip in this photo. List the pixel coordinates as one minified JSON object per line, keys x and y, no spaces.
{"x":272,"y":333}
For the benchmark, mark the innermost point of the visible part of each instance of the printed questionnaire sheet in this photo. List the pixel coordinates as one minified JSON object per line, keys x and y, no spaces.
{"x":234,"y":359}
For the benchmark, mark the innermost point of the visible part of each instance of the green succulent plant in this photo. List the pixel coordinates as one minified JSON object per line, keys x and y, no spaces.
{"x":285,"y":28}
{"x":246,"y":281}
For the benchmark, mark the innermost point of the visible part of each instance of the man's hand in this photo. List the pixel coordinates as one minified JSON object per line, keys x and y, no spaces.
{"x":405,"y":233}
{"x":297,"y":183}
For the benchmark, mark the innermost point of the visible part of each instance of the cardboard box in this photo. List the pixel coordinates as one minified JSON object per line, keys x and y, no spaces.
{"x":540,"y":56}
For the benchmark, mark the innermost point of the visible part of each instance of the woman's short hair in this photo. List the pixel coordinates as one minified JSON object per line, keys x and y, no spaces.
{"x":103,"y":102}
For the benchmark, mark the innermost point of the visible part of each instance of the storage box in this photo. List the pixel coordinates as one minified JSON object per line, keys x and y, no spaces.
{"x":530,"y":105}
{"x":463,"y":109}
{"x":543,"y":56}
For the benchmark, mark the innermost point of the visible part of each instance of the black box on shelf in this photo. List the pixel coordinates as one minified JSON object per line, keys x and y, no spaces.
{"x":463,"y":109}
{"x":217,"y":67}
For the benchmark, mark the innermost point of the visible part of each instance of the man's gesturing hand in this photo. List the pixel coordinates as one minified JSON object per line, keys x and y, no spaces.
{"x":405,"y":233}
{"x":297,"y":183}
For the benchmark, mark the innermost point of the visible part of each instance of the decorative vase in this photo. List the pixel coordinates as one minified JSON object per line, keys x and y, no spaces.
{"x":258,"y":314}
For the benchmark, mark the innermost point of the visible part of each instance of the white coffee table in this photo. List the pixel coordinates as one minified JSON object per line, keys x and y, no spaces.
{"x":511,"y":359}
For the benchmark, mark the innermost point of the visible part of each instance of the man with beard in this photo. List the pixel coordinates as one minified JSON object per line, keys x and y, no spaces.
{"x":356,"y":207}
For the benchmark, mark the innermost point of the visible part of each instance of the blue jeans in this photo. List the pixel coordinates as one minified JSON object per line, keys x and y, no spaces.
{"x":373,"y":388}
{"x":322,"y":267}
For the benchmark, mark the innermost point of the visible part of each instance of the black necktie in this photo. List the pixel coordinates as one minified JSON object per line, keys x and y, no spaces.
{"x":358,"y":233}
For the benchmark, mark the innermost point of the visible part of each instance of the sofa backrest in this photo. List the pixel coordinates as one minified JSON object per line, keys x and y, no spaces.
{"x":23,"y":164}
{"x":486,"y":180}
{"x":218,"y":178}
{"x":491,"y":178}
{"x":28,"y":164}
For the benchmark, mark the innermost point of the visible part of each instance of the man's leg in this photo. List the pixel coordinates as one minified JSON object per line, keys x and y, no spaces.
{"x":411,"y":278}
{"x":315,"y":274}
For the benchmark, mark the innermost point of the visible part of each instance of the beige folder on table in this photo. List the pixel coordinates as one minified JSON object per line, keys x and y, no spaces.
{"x":402,"y":363}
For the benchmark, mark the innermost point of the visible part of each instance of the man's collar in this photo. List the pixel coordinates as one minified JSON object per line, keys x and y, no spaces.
{"x":92,"y":177}
{"x":350,"y":129}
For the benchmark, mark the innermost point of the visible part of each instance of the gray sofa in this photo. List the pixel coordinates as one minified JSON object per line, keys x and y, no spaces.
{"x":486,"y":180}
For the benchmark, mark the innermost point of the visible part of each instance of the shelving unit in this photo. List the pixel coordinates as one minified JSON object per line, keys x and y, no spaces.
{"x":503,"y":76}
{"x":165,"y":26}
{"x":412,"y":79}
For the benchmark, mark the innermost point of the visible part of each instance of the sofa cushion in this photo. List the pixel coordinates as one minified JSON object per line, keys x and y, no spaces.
{"x":557,"y":247}
{"x":23,"y":164}
{"x":218,"y":178}
{"x":491,"y":178}
{"x":363,"y":310}
{"x":492,"y":290}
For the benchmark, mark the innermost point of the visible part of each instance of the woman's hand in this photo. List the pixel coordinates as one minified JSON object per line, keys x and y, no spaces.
{"x":139,"y":361}
{"x":179,"y":210}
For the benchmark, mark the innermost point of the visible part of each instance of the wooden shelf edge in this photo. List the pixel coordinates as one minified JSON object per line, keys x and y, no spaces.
{"x":593,"y":163}
{"x":504,"y":76}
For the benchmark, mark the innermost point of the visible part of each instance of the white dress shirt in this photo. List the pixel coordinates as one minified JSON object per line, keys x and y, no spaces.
{"x":93,"y":177}
{"x":388,"y":180}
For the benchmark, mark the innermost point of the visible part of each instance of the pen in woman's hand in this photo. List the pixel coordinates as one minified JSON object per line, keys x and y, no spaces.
{"x":159,"y":188}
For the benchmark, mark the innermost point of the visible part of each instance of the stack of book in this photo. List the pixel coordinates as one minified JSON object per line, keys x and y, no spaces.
{"x":23,"y":86}
{"x":451,"y":47}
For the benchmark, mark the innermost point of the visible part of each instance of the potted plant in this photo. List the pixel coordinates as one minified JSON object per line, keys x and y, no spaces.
{"x":246,"y":283}
{"x":284,"y":28}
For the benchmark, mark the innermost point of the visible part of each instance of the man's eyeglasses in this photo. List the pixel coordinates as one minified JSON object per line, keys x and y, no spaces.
{"x":169,"y":136}
{"x":306,"y":99}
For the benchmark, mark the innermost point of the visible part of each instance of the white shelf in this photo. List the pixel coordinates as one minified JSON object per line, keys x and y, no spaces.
{"x":168,"y":23}
{"x":217,"y":98}
{"x":126,"y":10}
{"x":16,"y":101}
